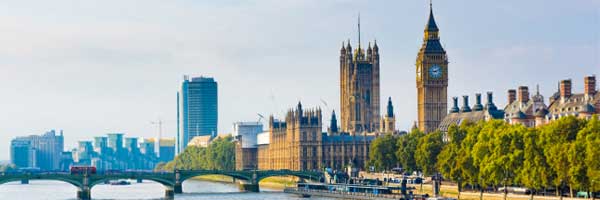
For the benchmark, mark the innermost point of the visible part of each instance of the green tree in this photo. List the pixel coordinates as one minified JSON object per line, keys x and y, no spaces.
{"x":382,"y":153}
{"x":428,"y":148}
{"x":557,"y":138}
{"x":590,"y":136}
{"x":448,"y":159}
{"x":406,"y":148}
{"x":220,"y":154}
{"x":535,"y":172}
{"x":490,"y":171}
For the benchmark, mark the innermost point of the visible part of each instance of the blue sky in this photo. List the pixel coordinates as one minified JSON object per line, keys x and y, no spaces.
{"x":92,"y":67}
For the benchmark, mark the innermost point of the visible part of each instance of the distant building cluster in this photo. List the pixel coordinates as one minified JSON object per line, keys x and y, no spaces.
{"x":111,"y":152}
{"x":114,"y":152}
{"x":38,"y":151}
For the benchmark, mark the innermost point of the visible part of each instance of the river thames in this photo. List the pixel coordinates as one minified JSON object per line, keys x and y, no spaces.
{"x":193,"y":190}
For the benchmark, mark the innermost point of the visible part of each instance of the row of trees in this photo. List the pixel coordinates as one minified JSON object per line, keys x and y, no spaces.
{"x":220,"y":154}
{"x":493,"y":153}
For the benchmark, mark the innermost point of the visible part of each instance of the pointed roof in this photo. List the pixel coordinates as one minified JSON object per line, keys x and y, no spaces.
{"x":375,"y":47}
{"x":390,"y":108}
{"x":431,"y":26}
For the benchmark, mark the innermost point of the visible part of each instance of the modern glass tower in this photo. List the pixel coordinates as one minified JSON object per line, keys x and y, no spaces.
{"x":197,"y":109}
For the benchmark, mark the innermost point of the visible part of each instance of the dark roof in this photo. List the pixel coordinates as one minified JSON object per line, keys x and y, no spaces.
{"x":457,"y":118}
{"x":541,"y":112}
{"x":433,"y":46}
{"x":574,"y":104}
{"x":519,"y":115}
{"x":431,"y":26}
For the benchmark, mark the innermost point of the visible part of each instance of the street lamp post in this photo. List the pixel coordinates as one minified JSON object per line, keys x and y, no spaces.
{"x":592,"y":190}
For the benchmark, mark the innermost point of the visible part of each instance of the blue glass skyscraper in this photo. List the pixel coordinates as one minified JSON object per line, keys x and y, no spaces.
{"x":197,"y":109}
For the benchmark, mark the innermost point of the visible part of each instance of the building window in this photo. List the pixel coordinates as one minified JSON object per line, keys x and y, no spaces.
{"x":304,"y":135}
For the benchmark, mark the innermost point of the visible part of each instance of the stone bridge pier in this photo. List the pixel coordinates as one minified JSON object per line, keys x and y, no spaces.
{"x":170,"y":193}
{"x":177,"y":189}
{"x":84,"y":192}
{"x":250,"y":185}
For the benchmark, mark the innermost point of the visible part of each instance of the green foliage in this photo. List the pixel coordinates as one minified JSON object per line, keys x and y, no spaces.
{"x":406,"y":148}
{"x":535,"y":172}
{"x":590,"y":137}
{"x":382,"y":153}
{"x":220,"y":154}
{"x":451,"y":157}
{"x":557,"y":138}
{"x":428,"y":148}
{"x":494,"y":153}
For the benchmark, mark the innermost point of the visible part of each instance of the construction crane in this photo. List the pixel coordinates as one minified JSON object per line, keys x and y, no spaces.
{"x":260,"y":117}
{"x":160,"y":122}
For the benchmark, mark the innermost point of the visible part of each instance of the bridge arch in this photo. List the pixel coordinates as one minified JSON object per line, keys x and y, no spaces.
{"x":76,"y":183}
{"x":315,"y":176}
{"x":241,"y":175}
{"x":165,"y":181}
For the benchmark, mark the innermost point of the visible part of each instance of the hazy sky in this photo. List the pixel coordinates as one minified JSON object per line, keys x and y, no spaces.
{"x":92,"y":67}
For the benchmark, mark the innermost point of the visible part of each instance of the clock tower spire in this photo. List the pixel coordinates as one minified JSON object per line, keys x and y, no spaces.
{"x":432,"y":78}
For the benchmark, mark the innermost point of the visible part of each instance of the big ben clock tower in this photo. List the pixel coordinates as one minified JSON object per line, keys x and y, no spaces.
{"x":432,"y":78}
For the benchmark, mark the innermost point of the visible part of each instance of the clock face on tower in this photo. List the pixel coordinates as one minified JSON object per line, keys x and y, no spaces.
{"x":435,"y":71}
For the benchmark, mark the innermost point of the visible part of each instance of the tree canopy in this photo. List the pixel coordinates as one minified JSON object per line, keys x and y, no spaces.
{"x":220,"y":154}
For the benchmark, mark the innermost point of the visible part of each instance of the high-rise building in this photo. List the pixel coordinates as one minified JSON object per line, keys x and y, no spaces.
{"x":147,"y":147}
{"x":359,"y":88}
{"x":21,"y":153}
{"x":101,"y":145}
{"x":115,"y":143}
{"x":131,"y":144}
{"x":197,"y":109}
{"x":432,"y":78}
{"x":85,"y":152}
{"x":48,"y":149}
{"x":166,"y":149}
{"x":44,"y":151}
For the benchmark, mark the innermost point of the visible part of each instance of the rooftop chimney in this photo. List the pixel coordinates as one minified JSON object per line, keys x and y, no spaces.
{"x":465,"y":107}
{"x":454,"y":108}
{"x":589,"y":85}
{"x":512,"y":96}
{"x":478,"y":105}
{"x":490,"y":102}
{"x":523,"y":94}
{"x":565,"y":88}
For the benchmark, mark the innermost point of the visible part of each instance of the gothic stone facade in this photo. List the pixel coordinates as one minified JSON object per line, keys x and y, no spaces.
{"x":359,"y":88}
{"x":298,"y":144}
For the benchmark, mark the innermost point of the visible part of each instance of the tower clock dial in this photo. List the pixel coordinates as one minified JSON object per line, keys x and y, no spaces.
{"x":435,"y":71}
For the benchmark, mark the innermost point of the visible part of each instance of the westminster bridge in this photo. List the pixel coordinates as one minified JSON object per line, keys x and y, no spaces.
{"x":172,"y":181}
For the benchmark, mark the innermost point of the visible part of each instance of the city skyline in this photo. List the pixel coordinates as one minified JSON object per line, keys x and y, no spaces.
{"x":250,"y":61}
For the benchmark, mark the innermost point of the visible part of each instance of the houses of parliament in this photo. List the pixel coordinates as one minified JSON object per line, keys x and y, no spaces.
{"x":297,"y":142}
